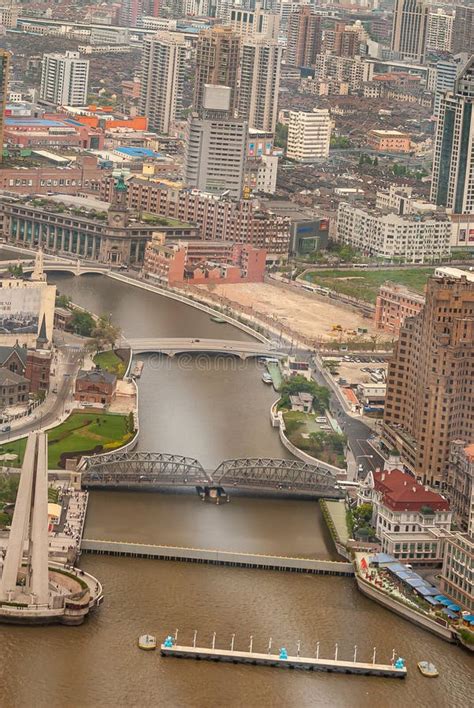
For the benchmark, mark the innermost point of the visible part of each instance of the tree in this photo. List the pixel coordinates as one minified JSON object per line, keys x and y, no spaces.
{"x":299,"y":384}
{"x":81,"y":323}
{"x":363,"y":513}
{"x":16,"y":271}
{"x":281,"y":135}
{"x":63,"y":301}
{"x":104,"y":334}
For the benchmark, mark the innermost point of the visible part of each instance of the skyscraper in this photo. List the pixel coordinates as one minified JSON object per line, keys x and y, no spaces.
{"x":452,"y":183}
{"x":463,"y":29}
{"x":130,"y":12}
{"x":64,"y":79}
{"x":430,"y":396}
{"x":216,"y":145}
{"x":409,"y":31}
{"x":304,"y":37}
{"x":4,"y":72}
{"x":162,"y":78}
{"x":259,"y":83}
{"x":217,"y":62}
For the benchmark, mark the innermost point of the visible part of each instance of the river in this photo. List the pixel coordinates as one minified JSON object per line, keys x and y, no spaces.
{"x":212,"y":409}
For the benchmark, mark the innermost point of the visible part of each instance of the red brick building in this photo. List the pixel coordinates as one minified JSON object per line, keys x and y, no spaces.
{"x":38,"y":369}
{"x":83,"y":174}
{"x":393,"y":305}
{"x":95,"y":386}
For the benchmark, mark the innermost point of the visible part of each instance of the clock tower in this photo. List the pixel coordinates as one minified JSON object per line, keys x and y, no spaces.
{"x":118,"y":210}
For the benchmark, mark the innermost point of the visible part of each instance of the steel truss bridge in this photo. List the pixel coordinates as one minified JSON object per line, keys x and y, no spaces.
{"x":155,"y":469}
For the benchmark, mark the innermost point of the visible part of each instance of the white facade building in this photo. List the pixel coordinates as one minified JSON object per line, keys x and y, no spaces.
{"x":440,"y":30}
{"x":415,"y":238}
{"x":410,"y":27}
{"x":162,"y":79}
{"x":64,"y":79}
{"x":309,"y":135}
{"x":410,"y":520}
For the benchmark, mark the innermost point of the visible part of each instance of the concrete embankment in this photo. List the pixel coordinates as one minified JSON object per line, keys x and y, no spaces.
{"x":202,"y":555}
{"x":404,"y":611}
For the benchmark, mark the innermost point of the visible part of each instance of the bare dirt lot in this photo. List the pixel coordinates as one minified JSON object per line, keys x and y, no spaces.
{"x":309,"y":316}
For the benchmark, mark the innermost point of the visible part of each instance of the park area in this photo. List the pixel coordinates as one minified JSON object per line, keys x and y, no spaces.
{"x":365,"y":284}
{"x":303,"y":430}
{"x":109,"y":361}
{"x":81,"y":433}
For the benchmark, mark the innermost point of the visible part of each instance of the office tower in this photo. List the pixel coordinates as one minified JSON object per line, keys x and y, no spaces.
{"x":162,"y":79}
{"x":440,"y":30}
{"x":216,"y":145}
{"x":304,"y":37}
{"x":4,"y":73}
{"x":444,"y":77}
{"x":217,"y":62}
{"x":255,"y":22}
{"x":64,"y":79}
{"x":452,"y":183}
{"x":259,"y":83}
{"x":410,"y":25}
{"x":309,"y":135}
{"x":430,"y":397}
{"x":463,"y":29}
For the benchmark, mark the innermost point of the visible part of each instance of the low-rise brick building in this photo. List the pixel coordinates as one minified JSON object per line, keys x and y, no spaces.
{"x":95,"y":386}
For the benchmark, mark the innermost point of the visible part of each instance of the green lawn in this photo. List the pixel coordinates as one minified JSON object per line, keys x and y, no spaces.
{"x":80,"y":433}
{"x":365,"y":284}
{"x":109,"y":361}
{"x":164,"y":221}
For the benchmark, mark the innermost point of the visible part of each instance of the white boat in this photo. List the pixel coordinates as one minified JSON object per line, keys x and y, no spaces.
{"x":428,"y":669}
{"x":147,"y":642}
{"x":266,"y":378}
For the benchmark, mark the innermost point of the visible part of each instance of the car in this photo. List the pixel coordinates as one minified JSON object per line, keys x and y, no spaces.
{"x":5,"y":428}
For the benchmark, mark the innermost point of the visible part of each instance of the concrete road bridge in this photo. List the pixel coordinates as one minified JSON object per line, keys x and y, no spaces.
{"x":183,"y":345}
{"x":145,"y":470}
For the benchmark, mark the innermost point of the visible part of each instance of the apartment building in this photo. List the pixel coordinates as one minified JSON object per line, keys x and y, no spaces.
{"x":309,"y":135}
{"x":64,"y":79}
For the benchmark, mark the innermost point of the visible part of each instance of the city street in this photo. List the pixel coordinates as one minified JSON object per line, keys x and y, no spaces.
{"x":66,"y":363}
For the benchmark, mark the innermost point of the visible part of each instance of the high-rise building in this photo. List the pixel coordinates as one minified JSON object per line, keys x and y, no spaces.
{"x":430,"y":397}
{"x":342,"y":40}
{"x":440,"y":30}
{"x":259,"y":83}
{"x":4,"y":73}
{"x":304,"y":37}
{"x":130,"y":12}
{"x":410,"y":26}
{"x":255,"y":22}
{"x":309,"y":135}
{"x":463,"y":29}
{"x":452,"y":182}
{"x":64,"y":79}
{"x":162,"y":79}
{"x":216,"y":145}
{"x":445,"y":72}
{"x":217,"y":62}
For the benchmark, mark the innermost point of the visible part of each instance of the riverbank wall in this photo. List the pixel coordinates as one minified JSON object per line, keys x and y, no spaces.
{"x":277,"y":421}
{"x":404,"y":611}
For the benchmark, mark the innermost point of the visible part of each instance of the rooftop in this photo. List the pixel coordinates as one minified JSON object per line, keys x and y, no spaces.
{"x":401,"y":492}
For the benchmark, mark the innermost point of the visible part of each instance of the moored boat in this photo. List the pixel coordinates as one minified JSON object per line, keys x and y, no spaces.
{"x":147,"y":642}
{"x":428,"y":669}
{"x":266,"y":378}
{"x":219,"y":320}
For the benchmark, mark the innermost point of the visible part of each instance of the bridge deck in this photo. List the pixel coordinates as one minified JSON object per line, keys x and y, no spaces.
{"x":187,"y":344}
{"x":203,"y":555}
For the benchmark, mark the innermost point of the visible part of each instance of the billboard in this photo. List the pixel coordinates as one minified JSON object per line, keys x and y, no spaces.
{"x":24,"y":305}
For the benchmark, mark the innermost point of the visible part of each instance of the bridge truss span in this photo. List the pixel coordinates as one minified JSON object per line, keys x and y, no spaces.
{"x":277,"y":474}
{"x":143,"y":469}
